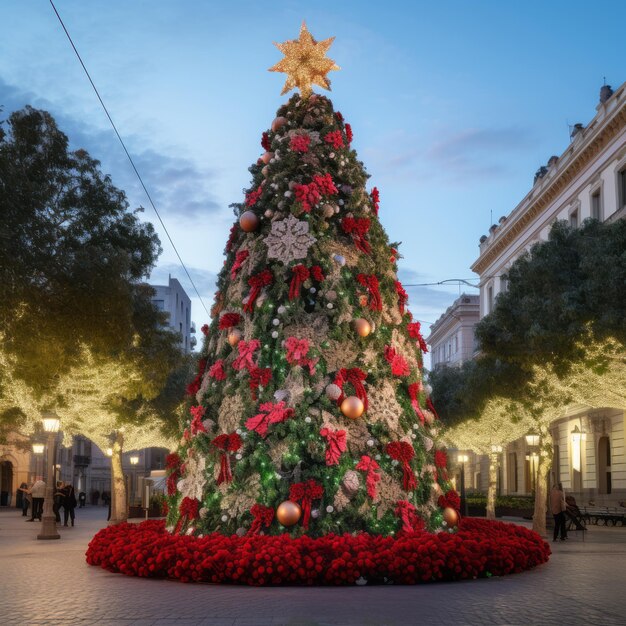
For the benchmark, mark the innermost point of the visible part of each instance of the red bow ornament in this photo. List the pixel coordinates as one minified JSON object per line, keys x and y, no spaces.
{"x":305,"y":493}
{"x":240,"y":258}
{"x":246,"y":354}
{"x":263,"y":517}
{"x":257,"y":282}
{"x":357,"y":227}
{"x":355,"y":377}
{"x":196,"y":426}
{"x":403,"y":452}
{"x":414,"y":389}
{"x":368,"y":465}
{"x":407,"y":513}
{"x":370,"y":282}
{"x":336,"y":444}
{"x":259,"y":377}
{"x":403,"y":297}
{"x":226,"y":444}
{"x":270,"y":414}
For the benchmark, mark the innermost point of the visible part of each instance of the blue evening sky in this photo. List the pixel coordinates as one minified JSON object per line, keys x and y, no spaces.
{"x":454,"y":105}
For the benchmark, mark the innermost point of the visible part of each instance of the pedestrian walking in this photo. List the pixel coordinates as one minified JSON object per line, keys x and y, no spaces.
{"x":69,"y":503}
{"x":37,"y":493}
{"x":58,"y":500}
{"x":82,"y":499}
{"x":558,"y":508}
{"x":23,"y":488}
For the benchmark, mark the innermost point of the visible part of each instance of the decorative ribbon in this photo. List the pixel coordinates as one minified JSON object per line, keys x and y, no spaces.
{"x":403,"y":452}
{"x":370,"y":282}
{"x":253,"y":196}
{"x":297,"y":350}
{"x":188,"y":509}
{"x":431,"y":407}
{"x":263,"y":516}
{"x":399,"y":366}
{"x":305,"y":493}
{"x":407,"y":514}
{"x":246,"y":354}
{"x":336,"y":444}
{"x":415,"y":333}
{"x":375,"y":196}
{"x":259,"y":377}
{"x":357,"y":227}
{"x":299,"y":274}
{"x":414,"y":389}
{"x":257,"y":282}
{"x":270,"y":414}
{"x":228,"y":320}
{"x":216,"y":370}
{"x":355,"y":377}
{"x":197,"y":413}
{"x":242,"y":255}
{"x":368,"y":465}
{"x":403,"y":297}
{"x":226,"y":444}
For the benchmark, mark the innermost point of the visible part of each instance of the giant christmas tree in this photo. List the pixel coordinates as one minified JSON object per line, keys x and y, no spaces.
{"x":310,"y":415}
{"x":310,"y":454}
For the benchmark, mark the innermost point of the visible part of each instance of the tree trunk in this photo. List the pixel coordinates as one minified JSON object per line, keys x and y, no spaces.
{"x":119,"y":511}
{"x":541,"y":486}
{"x":493,"y":485}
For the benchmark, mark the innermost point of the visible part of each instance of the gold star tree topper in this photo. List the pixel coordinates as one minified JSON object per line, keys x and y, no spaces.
{"x":305,"y":62}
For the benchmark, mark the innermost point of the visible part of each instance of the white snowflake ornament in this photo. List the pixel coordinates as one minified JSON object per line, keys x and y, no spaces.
{"x":288,"y":240}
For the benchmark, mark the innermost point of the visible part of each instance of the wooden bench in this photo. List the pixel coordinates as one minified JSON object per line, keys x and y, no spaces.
{"x":604,"y":515}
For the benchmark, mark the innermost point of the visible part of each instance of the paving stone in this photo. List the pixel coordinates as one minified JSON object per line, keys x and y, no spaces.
{"x":49,"y":583}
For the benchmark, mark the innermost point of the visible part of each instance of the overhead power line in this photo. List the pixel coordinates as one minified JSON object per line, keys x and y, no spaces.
{"x":130,"y":158}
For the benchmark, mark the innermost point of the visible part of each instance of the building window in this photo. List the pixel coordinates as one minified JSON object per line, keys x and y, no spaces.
{"x":621,"y":178}
{"x":512,"y":473}
{"x":596,"y":205}
{"x":456,"y":344}
{"x":573,"y":219}
{"x":159,"y":304}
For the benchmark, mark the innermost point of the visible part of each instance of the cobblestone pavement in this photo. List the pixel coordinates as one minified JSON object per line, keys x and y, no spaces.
{"x":48,"y":582}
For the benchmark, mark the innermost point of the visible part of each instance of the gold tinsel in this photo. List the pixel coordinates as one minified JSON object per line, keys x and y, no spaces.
{"x":277,"y":450}
{"x":294,"y":384}
{"x":230,"y":414}
{"x":337,"y":353}
{"x":384,"y":408}
{"x":240,"y":501}
{"x":404,"y":347}
{"x":313,"y":327}
{"x":388,"y":492}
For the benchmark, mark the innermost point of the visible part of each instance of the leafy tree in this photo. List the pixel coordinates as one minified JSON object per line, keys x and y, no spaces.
{"x":71,"y":253}
{"x":565,"y":290}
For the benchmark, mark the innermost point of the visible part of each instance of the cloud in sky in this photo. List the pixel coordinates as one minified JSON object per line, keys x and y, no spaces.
{"x":179,"y":186}
{"x":461,"y":155}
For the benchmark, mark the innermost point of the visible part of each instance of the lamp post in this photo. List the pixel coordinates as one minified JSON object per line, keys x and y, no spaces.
{"x":38,"y":449}
{"x":463,"y":459}
{"x":51,"y":425}
{"x":133,"y":461}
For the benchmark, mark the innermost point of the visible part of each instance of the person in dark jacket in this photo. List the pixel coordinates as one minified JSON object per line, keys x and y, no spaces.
{"x":23,"y":488}
{"x":69,"y":503}
{"x":57,"y":502}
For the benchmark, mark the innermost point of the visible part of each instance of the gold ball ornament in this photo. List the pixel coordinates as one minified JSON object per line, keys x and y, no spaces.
{"x":363,"y":327}
{"x":288,"y":513}
{"x":329,"y":210}
{"x":234,"y":336}
{"x":450,"y":516}
{"x":429,"y":417}
{"x":266,"y":157}
{"x":363,"y":300}
{"x":352,"y":407}
{"x":278,"y":122}
{"x":266,"y":171}
{"x":249,"y":222}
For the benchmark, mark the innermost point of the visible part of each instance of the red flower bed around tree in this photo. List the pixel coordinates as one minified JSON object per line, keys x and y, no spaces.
{"x":480,"y":548}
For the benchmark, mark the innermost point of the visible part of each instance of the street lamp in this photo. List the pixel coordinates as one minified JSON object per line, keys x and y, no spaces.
{"x":38,"y":449}
{"x":133,"y":461}
{"x":463,"y":459}
{"x":51,"y":424}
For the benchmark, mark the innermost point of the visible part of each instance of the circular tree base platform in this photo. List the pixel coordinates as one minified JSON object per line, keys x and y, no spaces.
{"x":480,"y":548}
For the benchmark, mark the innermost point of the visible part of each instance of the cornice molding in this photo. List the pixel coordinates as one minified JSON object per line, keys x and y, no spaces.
{"x":604,"y":137}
